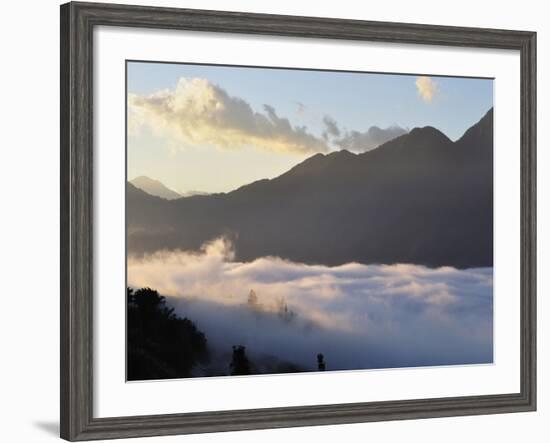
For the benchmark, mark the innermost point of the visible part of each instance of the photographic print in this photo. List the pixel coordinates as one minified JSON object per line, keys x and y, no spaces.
{"x":295,"y":220}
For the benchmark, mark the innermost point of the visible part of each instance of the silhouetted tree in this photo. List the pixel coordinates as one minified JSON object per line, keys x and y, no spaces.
{"x":283,"y":311}
{"x":321,"y":362}
{"x":252,"y":299}
{"x":239,"y":362}
{"x":160,"y":344}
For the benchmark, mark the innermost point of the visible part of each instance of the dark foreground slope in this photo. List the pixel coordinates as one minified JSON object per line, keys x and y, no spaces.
{"x":419,"y":198}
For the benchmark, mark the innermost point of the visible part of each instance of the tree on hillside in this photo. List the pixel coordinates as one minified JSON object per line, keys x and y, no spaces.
{"x":240,"y":365}
{"x":252,"y":299}
{"x":321,"y":362}
{"x":283,"y":310}
{"x":160,"y":344}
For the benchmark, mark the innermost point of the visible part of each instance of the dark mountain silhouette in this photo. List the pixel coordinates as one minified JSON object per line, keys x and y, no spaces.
{"x":154,"y":187}
{"x":419,"y":198}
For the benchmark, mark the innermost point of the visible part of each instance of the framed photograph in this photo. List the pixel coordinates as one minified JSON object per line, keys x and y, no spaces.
{"x":272,"y":221}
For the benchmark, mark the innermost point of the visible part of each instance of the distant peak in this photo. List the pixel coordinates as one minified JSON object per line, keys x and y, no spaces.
{"x":314,"y":162}
{"x":314,"y":156}
{"x":140,"y":178}
{"x":485,"y":123}
{"x":426,"y":132}
{"x":488,"y":115}
{"x":154,"y":187}
{"x":144,"y":179}
{"x":342,"y":153}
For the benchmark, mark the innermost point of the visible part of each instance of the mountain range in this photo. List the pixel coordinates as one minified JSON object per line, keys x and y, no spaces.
{"x":419,"y":198}
{"x":154,"y":187}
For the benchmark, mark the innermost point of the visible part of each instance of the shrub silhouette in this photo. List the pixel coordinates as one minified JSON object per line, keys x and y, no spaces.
{"x":283,"y":310}
{"x":240,"y":364}
{"x":252,"y":299}
{"x":321,"y":362}
{"x":159,"y":343}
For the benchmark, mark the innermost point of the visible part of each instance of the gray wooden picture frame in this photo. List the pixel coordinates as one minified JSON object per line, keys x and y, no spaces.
{"x":77,"y":24}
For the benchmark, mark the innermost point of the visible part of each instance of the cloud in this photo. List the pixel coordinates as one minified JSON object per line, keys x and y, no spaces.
{"x":331,"y":127}
{"x":358,"y":141}
{"x":370,"y":139}
{"x":200,"y":112}
{"x":427,"y":88}
{"x":359,"y":316}
{"x":300,"y":107}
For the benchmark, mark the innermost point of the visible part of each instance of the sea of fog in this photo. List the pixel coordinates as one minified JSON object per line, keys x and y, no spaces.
{"x":358,"y":316}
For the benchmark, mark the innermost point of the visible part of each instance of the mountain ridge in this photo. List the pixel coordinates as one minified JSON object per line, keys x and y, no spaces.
{"x":419,"y":198}
{"x":154,"y":187}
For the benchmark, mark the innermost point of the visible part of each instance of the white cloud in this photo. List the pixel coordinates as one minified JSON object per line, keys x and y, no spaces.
{"x":359,"y":316}
{"x":300,"y":107}
{"x":199,"y":112}
{"x":427,"y":88}
{"x":331,"y":127}
{"x":358,"y":141}
{"x":368,"y":140}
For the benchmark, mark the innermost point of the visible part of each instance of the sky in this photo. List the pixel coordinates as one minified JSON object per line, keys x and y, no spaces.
{"x":215,"y":128}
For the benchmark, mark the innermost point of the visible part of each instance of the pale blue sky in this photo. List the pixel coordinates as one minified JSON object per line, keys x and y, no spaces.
{"x":356,"y":101}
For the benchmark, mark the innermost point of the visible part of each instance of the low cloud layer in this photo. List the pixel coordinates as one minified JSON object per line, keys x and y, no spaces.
{"x":358,"y":316}
{"x":427,"y":88}
{"x":200,"y":112}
